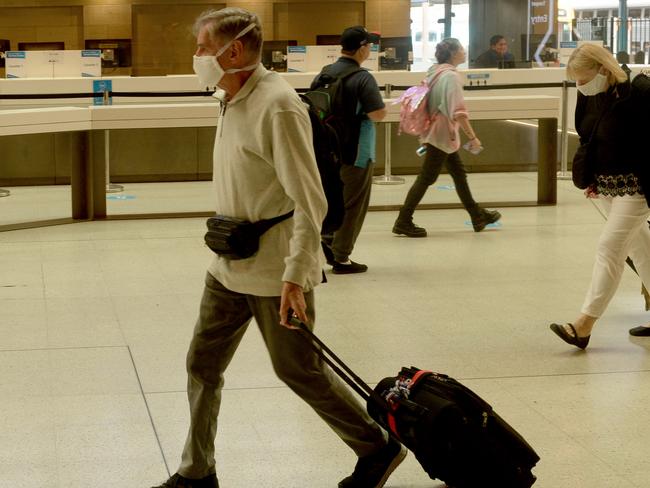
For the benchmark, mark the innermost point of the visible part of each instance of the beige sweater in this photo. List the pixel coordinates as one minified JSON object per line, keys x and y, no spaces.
{"x":264,"y":166}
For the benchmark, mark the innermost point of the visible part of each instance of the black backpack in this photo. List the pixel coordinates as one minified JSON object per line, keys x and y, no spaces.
{"x":328,"y":160}
{"x":325,"y":108}
{"x":328,"y":98}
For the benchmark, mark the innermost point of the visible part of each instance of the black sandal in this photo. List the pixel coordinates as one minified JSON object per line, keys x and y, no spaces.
{"x":574,"y":340}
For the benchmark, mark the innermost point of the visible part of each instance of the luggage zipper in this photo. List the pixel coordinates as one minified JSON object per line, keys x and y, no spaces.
{"x":485,"y":419}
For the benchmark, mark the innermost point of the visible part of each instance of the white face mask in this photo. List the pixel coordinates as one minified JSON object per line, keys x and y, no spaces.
{"x":208,"y":69}
{"x":599,"y":84}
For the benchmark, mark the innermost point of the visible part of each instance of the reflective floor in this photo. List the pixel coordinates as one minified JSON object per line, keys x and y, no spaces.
{"x":95,"y":319}
{"x":38,"y":203}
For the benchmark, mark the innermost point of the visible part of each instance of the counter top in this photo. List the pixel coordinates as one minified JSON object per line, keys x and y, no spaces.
{"x":42,"y":120}
{"x":131,"y":116}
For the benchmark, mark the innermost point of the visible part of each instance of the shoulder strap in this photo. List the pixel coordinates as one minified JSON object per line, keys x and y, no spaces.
{"x":263,"y":225}
{"x":340,"y":76}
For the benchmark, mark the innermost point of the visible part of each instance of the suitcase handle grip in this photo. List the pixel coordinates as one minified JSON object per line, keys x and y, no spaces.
{"x":339,"y":367}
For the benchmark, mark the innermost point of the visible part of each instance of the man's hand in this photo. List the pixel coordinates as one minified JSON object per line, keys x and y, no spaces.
{"x":292,"y":298}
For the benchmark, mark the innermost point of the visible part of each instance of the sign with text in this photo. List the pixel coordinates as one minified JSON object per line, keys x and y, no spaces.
{"x":54,"y":64}
{"x":541,"y":29}
{"x":311,"y":59}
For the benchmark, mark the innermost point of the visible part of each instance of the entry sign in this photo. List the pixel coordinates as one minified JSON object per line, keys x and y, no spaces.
{"x":543,"y":17}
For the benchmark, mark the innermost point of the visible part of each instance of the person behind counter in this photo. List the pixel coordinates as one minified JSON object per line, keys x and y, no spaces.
{"x":442,"y":142}
{"x":497,"y":56}
{"x":611,"y":112}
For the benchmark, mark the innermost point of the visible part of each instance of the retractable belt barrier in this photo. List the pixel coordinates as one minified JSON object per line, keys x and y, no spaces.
{"x":388,"y":178}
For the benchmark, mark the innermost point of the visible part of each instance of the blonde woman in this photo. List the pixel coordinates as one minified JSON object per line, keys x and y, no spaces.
{"x":620,"y":178}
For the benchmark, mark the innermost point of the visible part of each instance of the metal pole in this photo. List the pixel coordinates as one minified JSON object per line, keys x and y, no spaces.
{"x":622,"y":26}
{"x":388,"y":178}
{"x":564,"y":174}
{"x":110,"y":187}
{"x":448,"y":16}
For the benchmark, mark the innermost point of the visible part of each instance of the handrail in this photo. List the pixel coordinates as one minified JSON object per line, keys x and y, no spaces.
{"x":510,"y":86}
{"x":35,"y":96}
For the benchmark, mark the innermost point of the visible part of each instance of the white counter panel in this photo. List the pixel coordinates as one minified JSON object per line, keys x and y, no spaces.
{"x":154,"y":115}
{"x":43,"y":120}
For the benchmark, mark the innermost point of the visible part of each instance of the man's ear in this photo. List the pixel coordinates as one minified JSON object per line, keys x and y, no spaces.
{"x":237,"y":52}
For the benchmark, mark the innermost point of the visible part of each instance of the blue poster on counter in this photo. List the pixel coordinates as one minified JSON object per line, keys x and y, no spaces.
{"x":100,"y":86}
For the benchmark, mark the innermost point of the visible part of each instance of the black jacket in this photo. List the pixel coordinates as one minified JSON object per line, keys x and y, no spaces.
{"x":620,"y":139}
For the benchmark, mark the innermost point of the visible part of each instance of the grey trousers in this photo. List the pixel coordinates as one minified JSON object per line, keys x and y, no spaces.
{"x":223,"y":319}
{"x":357,"y":183}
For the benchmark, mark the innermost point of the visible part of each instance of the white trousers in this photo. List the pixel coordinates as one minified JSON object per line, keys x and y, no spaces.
{"x":625,"y":234}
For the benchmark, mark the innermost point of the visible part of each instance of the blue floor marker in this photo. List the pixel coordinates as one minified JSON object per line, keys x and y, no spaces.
{"x":489,"y":226}
{"x":120,"y":197}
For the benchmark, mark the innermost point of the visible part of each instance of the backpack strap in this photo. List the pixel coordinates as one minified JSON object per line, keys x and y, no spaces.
{"x":321,"y":80}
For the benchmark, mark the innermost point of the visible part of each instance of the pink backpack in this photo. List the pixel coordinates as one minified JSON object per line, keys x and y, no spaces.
{"x":414,"y":115}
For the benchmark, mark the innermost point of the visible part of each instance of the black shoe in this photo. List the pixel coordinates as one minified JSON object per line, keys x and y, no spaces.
{"x":574,"y":340}
{"x":483,"y":218}
{"x":640,"y":331}
{"x":350,"y":268}
{"x":178,"y":481}
{"x":329,"y":255}
{"x":373,"y":471}
{"x":409,"y":229}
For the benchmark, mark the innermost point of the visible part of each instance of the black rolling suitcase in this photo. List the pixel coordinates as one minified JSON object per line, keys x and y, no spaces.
{"x":454,"y":434}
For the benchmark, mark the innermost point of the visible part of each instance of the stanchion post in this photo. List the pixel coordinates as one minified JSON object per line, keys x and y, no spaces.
{"x":110,"y":187}
{"x":387,"y":178}
{"x":564,"y":174}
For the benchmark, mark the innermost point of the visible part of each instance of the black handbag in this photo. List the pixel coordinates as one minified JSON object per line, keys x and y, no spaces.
{"x":233,"y":238}
{"x":582,"y":170}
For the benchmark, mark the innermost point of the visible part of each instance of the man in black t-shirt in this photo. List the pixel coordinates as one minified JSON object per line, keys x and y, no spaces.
{"x":497,"y":56}
{"x":362,"y":106}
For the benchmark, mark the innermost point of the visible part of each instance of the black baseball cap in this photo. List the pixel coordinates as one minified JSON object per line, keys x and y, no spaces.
{"x":355,"y":37}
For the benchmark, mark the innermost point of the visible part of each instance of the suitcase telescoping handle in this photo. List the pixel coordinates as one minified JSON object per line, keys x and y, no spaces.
{"x":339,"y":367}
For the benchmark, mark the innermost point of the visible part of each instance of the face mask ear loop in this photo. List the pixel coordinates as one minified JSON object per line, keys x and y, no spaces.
{"x":245,"y":31}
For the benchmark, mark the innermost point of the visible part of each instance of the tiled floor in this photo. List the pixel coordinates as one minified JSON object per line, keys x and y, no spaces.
{"x":95,"y":319}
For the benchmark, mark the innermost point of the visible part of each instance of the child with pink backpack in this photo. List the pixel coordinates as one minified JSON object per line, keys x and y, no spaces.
{"x":434,"y":111}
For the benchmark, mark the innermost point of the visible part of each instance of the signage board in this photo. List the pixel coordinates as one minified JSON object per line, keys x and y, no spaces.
{"x":53,"y":64}
{"x":311,"y":59}
{"x":541,"y":28}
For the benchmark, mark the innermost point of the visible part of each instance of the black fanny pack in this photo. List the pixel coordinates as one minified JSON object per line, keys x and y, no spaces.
{"x":233,"y":238}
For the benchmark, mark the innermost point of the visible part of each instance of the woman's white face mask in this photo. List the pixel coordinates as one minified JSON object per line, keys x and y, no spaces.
{"x":208,"y":69}
{"x":598,"y":84}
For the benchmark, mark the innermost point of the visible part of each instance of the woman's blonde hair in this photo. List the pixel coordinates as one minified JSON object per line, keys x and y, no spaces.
{"x":591,"y":56}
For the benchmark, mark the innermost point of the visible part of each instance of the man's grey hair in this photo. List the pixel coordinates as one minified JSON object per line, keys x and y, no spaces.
{"x":225,"y":24}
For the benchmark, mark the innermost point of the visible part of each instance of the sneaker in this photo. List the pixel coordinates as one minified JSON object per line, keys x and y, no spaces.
{"x":483,"y":218}
{"x":348,"y":268}
{"x":409,"y":229}
{"x":373,"y":471}
{"x":178,"y":481}
{"x":329,"y":255}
